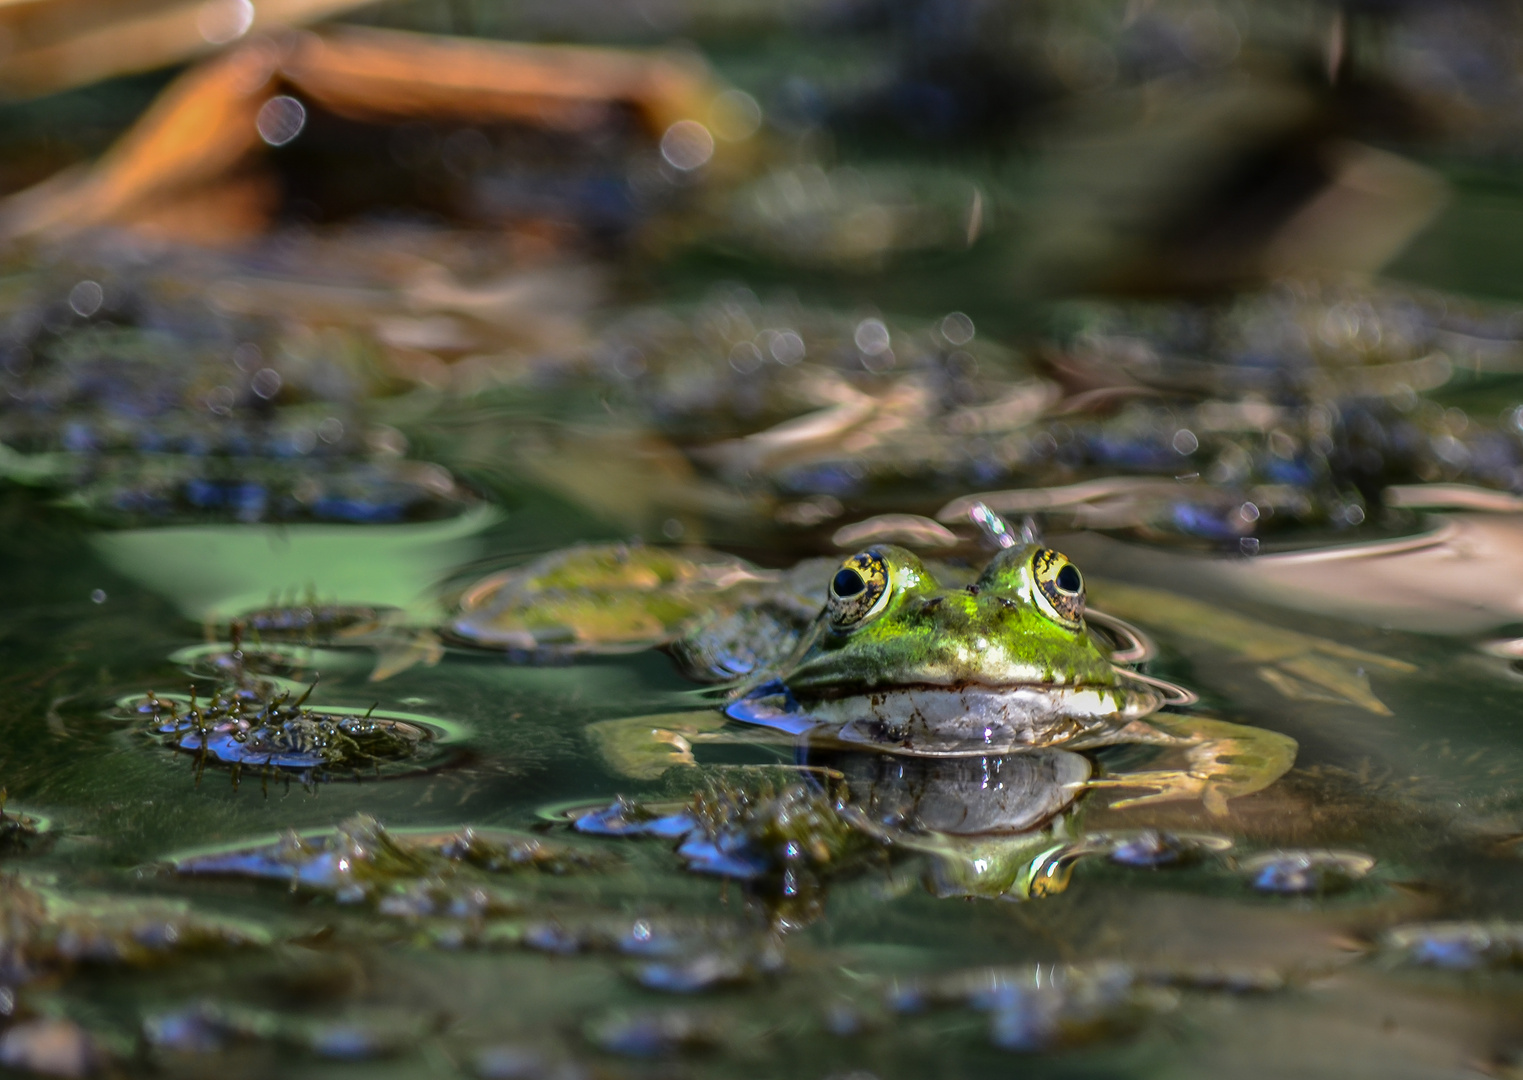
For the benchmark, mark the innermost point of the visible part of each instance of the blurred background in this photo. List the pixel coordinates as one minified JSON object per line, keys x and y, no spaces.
{"x":693,"y":269}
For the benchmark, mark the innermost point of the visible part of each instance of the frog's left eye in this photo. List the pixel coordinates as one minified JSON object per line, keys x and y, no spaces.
{"x":858,"y":591}
{"x":1059,"y":587}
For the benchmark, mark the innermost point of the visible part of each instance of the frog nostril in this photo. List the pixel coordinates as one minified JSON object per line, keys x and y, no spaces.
{"x":847,"y":583}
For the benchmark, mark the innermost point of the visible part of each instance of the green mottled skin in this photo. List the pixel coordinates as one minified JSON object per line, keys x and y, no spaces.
{"x":993,"y":633}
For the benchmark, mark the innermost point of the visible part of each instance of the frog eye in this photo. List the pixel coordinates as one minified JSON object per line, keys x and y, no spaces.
{"x":858,"y":591}
{"x":1059,"y":587}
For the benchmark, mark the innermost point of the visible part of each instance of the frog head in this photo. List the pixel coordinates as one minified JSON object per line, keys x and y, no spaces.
{"x":899,"y":661}
{"x":889,"y":623}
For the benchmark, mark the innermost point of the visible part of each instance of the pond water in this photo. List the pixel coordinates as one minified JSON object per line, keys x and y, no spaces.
{"x":1190,"y":969}
{"x":317,"y":757}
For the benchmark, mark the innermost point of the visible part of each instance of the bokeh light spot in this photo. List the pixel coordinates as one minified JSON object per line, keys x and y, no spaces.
{"x":86,"y":298}
{"x":221,"y":21}
{"x":687,"y":145}
{"x":280,"y":120}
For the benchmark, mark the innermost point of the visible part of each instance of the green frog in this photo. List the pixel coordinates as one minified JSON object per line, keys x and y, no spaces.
{"x":959,"y":705}
{"x":919,"y":660}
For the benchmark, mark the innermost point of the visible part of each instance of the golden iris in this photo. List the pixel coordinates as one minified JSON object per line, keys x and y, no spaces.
{"x":1060,"y":587}
{"x":858,"y":591}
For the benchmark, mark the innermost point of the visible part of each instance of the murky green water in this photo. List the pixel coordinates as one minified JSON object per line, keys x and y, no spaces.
{"x":597,"y":377}
{"x":1277,"y":985}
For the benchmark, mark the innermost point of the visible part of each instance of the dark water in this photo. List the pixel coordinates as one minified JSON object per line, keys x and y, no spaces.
{"x":1277,"y":985}
{"x":1359,"y":916}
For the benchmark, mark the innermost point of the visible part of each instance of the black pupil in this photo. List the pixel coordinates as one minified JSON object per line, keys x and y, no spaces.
{"x":1069,"y":580}
{"x":847,"y":583}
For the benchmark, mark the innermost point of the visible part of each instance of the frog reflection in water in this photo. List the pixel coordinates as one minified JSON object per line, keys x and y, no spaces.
{"x":955,"y":709}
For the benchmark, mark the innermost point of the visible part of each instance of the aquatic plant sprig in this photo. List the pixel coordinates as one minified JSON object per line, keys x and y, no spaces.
{"x":256,"y":724}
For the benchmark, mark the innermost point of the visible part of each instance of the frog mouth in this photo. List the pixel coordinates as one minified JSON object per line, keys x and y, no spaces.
{"x":956,"y":720}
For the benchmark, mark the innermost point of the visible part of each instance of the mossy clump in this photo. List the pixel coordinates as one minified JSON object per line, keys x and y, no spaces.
{"x":253,"y":725}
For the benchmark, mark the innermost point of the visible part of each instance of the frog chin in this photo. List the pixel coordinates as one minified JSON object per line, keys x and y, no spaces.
{"x":976,"y":719}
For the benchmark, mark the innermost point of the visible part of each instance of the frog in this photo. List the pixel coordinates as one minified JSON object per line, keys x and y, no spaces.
{"x":988,"y":688}
{"x":899,"y":662}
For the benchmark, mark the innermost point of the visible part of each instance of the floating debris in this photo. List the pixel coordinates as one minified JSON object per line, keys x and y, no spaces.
{"x":742,"y":824}
{"x":510,"y":1062}
{"x":1043,"y":1007}
{"x":51,"y":1048}
{"x":623,"y":817}
{"x":313,"y":623}
{"x":677,"y":956}
{"x":658,"y":1032}
{"x":142,"y":402}
{"x":608,"y":598}
{"x":1456,"y":946}
{"x":1153,"y":848}
{"x":408,"y":875}
{"x":782,"y":838}
{"x":256,"y":725}
{"x":46,"y":933}
{"x":209,"y":1027}
{"x":18,"y":830}
{"x":1305,"y":872}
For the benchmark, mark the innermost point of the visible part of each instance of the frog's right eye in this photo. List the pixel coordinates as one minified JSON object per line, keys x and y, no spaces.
{"x":858,"y":591}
